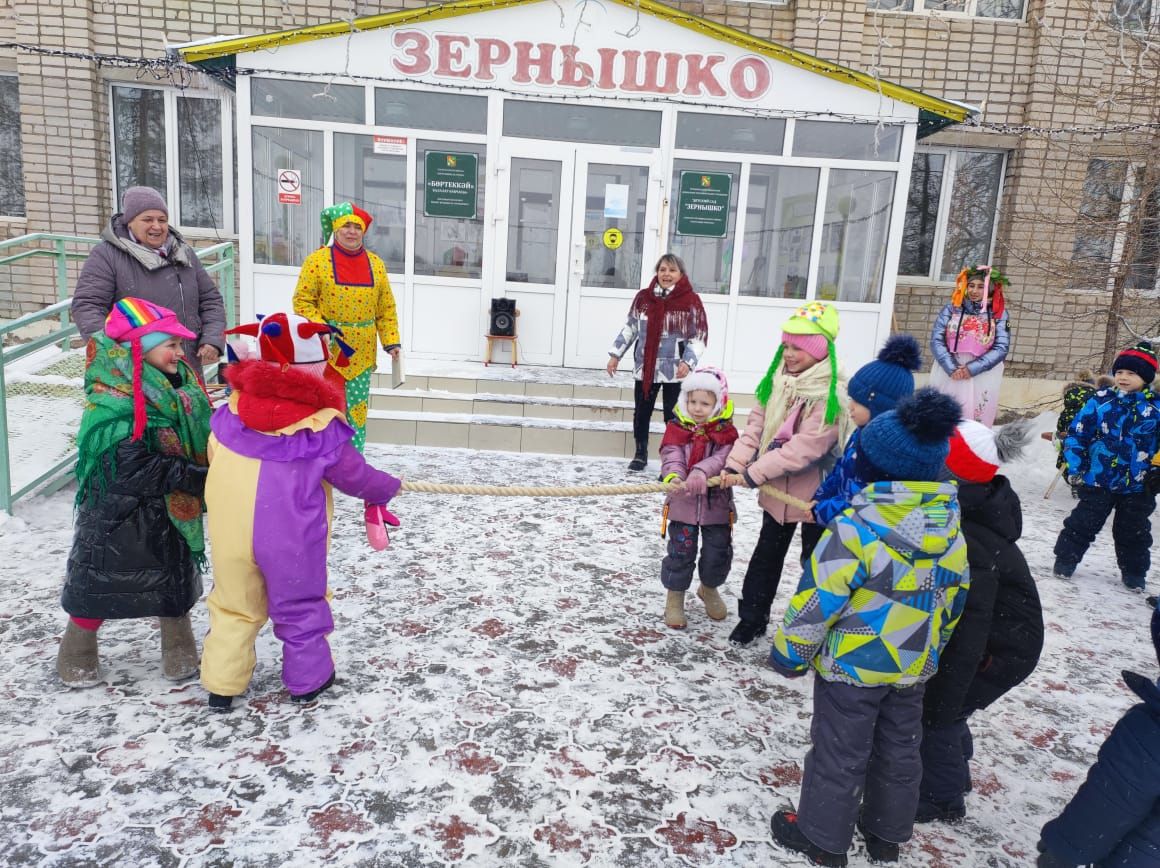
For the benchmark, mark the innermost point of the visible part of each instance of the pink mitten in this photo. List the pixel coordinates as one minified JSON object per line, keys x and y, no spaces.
{"x":696,"y":483}
{"x":377,"y":518}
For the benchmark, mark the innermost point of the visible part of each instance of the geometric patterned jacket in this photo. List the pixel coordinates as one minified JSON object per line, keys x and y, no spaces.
{"x":882,"y":591}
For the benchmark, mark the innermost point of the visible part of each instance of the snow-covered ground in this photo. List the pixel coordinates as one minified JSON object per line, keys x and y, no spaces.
{"x":508,"y":695}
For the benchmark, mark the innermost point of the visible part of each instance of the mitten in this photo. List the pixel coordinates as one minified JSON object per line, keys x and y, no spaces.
{"x":696,"y":483}
{"x":377,"y":518}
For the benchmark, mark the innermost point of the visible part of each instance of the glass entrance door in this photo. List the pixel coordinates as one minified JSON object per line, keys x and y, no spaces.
{"x":578,"y":228}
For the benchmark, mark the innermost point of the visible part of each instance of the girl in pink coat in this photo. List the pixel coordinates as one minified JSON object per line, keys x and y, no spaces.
{"x":788,"y":443}
{"x":696,"y":443}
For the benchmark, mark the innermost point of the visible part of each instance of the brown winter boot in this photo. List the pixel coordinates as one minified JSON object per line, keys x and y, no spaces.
{"x":178,"y":650}
{"x":675,"y":610}
{"x":714,"y":605}
{"x":77,"y":662}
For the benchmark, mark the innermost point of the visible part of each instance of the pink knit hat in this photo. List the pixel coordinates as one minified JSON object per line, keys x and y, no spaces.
{"x":816,"y":344}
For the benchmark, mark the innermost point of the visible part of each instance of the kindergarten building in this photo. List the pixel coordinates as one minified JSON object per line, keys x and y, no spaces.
{"x":549,"y":153}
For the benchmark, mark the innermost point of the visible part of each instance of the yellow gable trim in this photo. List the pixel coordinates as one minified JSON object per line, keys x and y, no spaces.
{"x":943,"y":108}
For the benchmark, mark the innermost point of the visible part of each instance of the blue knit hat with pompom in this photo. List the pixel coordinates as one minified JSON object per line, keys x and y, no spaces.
{"x":879,"y":385}
{"x":911,"y":441}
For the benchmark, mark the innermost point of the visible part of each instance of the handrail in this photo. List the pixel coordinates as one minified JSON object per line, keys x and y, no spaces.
{"x":222,"y":266}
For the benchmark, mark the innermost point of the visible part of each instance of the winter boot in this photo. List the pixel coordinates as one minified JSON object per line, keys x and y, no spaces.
{"x":786,"y":832}
{"x":313,"y":694}
{"x":1133,"y":583}
{"x":77,"y":662}
{"x":746,"y":631}
{"x":715,"y":607}
{"x":941,"y":812}
{"x":878,"y":849}
{"x":220,"y":703}
{"x":675,"y":610}
{"x":179,"y":658}
{"x":640,"y":460}
{"x":1062,"y":569}
{"x":1153,"y":601}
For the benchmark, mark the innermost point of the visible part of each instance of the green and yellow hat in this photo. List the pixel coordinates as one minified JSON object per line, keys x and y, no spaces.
{"x":813,"y":318}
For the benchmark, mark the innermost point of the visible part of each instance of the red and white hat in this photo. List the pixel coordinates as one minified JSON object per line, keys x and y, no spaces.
{"x":973,"y":455}
{"x":290,"y":339}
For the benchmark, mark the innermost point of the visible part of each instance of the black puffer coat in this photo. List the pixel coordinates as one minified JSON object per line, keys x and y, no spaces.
{"x":997,"y":642}
{"x":128,"y":560}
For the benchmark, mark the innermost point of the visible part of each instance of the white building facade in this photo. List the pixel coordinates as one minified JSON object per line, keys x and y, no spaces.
{"x":551,"y":155}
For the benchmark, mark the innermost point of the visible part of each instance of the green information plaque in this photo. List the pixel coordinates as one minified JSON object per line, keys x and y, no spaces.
{"x":703,"y":204}
{"x":449,"y":189}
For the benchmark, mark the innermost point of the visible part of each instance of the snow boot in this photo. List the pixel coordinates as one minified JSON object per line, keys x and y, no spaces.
{"x":941,"y":812}
{"x":1133,"y":583}
{"x":220,"y":703}
{"x":675,"y":610}
{"x":1153,"y":601}
{"x":77,"y":662}
{"x":746,"y":631}
{"x":786,"y":832}
{"x":313,"y":694}
{"x":878,"y":849}
{"x":715,"y":607}
{"x":640,"y":459}
{"x":179,"y":659}
{"x":1063,"y":570}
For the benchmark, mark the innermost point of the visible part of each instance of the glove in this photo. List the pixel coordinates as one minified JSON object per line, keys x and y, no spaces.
{"x":377,"y":517}
{"x":696,"y":483}
{"x":1074,"y":480}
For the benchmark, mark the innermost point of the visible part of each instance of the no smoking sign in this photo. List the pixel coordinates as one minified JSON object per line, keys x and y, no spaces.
{"x":289,"y":187}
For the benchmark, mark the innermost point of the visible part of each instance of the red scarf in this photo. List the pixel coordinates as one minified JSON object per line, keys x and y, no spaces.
{"x":351,"y":269}
{"x":679,"y":312}
{"x":720,"y":432}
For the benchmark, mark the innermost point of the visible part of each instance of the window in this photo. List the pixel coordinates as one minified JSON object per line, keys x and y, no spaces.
{"x":1008,"y":9}
{"x":1108,"y":231}
{"x":779,"y":230}
{"x":1134,"y":16}
{"x":842,"y":141}
{"x":11,"y":161}
{"x":425,"y":110}
{"x":582,"y":123}
{"x":855,"y":227}
{"x":449,"y":224}
{"x":180,"y":144}
{"x":951,"y":211}
{"x":377,"y":182}
{"x":308,"y":100}
{"x":705,"y":243}
{"x":746,"y":135}
{"x":285,"y":232}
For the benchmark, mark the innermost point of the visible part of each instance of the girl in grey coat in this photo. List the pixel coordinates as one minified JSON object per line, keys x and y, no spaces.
{"x":140,"y":255}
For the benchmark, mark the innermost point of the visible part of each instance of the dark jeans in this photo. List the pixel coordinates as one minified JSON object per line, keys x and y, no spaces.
{"x":642,"y":414}
{"x":865,"y":758}
{"x":766,"y":564}
{"x":1131,"y":528}
{"x":946,"y":771}
{"x":716,"y":555}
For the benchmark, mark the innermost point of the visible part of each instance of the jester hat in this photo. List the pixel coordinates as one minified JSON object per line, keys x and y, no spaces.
{"x":290,"y":339}
{"x":337,"y":216}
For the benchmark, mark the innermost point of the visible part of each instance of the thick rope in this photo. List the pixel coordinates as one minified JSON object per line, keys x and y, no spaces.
{"x":577,"y":490}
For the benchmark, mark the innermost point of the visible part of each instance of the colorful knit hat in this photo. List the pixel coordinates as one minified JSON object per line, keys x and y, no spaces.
{"x":337,"y":216}
{"x":879,"y":385}
{"x":814,"y":318}
{"x":142,"y":325}
{"x":1139,"y":359}
{"x":976,"y":451}
{"x":910,"y":442}
{"x":290,"y":339}
{"x":994,"y":284}
{"x":706,"y":379}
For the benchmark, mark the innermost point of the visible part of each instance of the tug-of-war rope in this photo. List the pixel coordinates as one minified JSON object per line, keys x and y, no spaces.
{"x":578,"y":490}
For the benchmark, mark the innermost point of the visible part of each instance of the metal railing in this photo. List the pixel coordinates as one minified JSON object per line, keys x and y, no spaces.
{"x":218,"y":260}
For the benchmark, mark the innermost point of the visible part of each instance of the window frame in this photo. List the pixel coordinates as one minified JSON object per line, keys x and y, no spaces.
{"x":950,"y":173}
{"x":970,"y":12}
{"x":228,"y":228}
{"x":1129,"y":196}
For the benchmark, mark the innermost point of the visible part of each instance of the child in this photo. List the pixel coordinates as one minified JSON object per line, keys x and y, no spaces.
{"x":275,"y":452}
{"x":874,"y":609}
{"x":141,"y":471}
{"x":694,"y":448}
{"x":788,"y":435}
{"x":874,"y":389}
{"x":1075,"y":395}
{"x":1114,"y":818}
{"x":997,"y":642}
{"x":970,"y":340}
{"x":1108,"y":449}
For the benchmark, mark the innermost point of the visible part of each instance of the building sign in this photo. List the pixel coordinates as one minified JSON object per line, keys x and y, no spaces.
{"x":391,"y":145}
{"x":289,"y":187}
{"x":470,"y":59}
{"x":703,"y":206}
{"x":449,"y":188}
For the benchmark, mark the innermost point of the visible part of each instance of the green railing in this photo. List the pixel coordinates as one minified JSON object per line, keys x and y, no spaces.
{"x":218,"y":261}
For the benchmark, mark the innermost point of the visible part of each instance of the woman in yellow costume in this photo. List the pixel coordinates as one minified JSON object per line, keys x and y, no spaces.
{"x":346,"y":285}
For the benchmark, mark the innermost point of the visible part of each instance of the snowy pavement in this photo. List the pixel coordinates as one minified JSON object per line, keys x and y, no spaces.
{"x":508,"y":695}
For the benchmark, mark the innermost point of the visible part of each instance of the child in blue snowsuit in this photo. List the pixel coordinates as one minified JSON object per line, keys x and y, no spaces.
{"x":1114,"y":818}
{"x":1109,"y":449}
{"x":874,"y":389}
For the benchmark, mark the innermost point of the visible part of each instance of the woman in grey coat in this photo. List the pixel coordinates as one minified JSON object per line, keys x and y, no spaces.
{"x":140,"y":255}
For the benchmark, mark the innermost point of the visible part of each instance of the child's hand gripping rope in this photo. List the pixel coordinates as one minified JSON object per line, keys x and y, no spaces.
{"x":377,"y":518}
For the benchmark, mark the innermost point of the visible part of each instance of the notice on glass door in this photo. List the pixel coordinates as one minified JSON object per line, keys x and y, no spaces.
{"x":703,"y":204}
{"x":450,"y":184}
{"x":616,"y":201}
{"x":391,"y":145}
